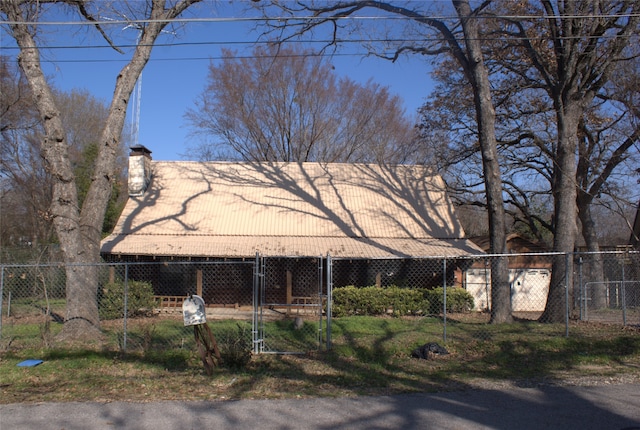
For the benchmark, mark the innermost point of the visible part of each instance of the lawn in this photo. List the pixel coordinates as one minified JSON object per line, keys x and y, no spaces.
{"x":369,"y":356}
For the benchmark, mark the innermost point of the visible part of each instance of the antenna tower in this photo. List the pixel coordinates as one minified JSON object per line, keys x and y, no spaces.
{"x":137,"y":101}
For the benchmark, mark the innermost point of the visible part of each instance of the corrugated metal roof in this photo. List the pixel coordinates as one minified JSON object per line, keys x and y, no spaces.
{"x":216,"y":209}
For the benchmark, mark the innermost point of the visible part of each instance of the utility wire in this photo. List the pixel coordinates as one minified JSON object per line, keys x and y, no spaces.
{"x":219,"y":57}
{"x":324,"y":42}
{"x":223,"y":57}
{"x":320,"y":41}
{"x":319,"y":18}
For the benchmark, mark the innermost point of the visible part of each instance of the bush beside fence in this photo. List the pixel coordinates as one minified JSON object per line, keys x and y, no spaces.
{"x":398,"y":301}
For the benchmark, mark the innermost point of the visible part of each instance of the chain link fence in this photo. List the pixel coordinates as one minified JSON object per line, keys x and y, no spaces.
{"x":528,"y":278}
{"x":290,"y":314}
{"x":607,"y":287}
{"x":598,"y":287}
{"x":286,"y":305}
{"x":139,"y":304}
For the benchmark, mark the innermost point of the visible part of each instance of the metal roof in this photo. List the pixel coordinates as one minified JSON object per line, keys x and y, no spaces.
{"x":218,"y":209}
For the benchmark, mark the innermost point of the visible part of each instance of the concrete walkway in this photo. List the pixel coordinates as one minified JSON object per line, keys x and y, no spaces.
{"x":605,"y":407}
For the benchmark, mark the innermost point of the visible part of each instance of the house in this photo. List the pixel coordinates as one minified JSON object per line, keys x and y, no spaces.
{"x":290,"y":213}
{"x":529,"y":275}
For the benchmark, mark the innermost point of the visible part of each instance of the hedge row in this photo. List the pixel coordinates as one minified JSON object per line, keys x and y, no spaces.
{"x":397,"y":301}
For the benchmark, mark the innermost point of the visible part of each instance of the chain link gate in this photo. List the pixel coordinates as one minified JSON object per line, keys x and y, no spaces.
{"x":289,"y":304}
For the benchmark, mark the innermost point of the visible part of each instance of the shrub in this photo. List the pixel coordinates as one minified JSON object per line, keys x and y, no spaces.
{"x":406,"y":301}
{"x":398,"y":301}
{"x":140,"y":300}
{"x":393,"y":300}
{"x":458,"y":299}
{"x":235,"y":347}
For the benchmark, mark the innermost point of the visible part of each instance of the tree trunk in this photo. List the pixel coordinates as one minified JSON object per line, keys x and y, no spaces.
{"x":82,"y":310}
{"x":593,"y":269}
{"x":477,"y":74}
{"x":572,"y":74}
{"x":591,"y":180}
{"x":79,"y":231}
{"x":82,"y":282}
{"x":564,"y":194}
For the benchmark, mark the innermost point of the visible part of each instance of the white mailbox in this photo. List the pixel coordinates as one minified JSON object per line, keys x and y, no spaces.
{"x":193,"y":311}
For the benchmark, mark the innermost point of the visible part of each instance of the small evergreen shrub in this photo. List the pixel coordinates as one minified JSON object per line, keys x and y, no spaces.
{"x":398,"y":301}
{"x":393,"y":300}
{"x":405,"y":301}
{"x":458,"y":299}
{"x":140,"y":300}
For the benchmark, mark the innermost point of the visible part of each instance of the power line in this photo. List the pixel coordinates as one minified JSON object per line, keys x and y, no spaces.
{"x":222,"y":57}
{"x":317,"y":18}
{"x":388,"y":54}
{"x":325,"y":42}
{"x":205,"y":43}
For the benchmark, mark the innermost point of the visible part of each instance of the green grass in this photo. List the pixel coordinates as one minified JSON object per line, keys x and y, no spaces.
{"x":369,"y":356}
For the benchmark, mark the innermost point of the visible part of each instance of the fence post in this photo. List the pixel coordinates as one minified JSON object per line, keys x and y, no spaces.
{"x":329,"y":299}
{"x":582,"y":297}
{"x":1,"y":296}
{"x":444,"y":299}
{"x":566,"y":292}
{"x":126,"y":310}
{"x":624,"y":295}
{"x":256,"y":304}
{"x":320,"y":286}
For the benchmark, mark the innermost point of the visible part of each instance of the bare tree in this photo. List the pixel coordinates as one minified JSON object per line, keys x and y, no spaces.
{"x":26,"y":188}
{"x":548,"y":117}
{"x":571,"y":55}
{"x":448,"y":118}
{"x":526,"y":130}
{"x":431,"y":36}
{"x":27,"y":181}
{"x":286,"y":104}
{"x":78,"y":228}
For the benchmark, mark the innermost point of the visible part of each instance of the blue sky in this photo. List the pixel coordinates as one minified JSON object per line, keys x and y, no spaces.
{"x":176,"y":74}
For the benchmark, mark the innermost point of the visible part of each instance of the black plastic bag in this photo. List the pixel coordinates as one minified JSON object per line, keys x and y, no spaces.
{"x":429,"y":350}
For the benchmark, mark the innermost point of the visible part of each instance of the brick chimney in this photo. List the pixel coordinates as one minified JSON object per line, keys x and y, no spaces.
{"x":139,"y":170}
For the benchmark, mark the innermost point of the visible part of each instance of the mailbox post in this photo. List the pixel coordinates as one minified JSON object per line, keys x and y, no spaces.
{"x":194,"y":314}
